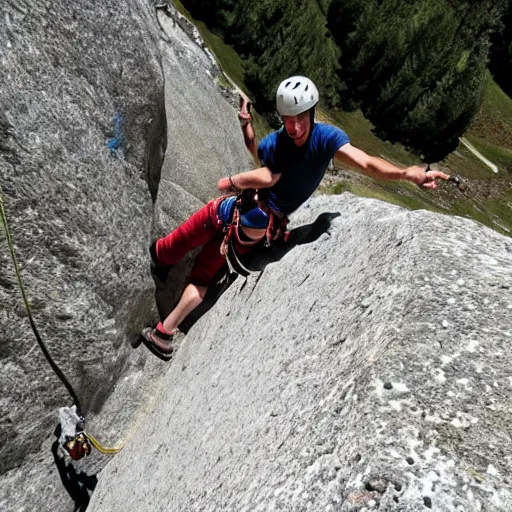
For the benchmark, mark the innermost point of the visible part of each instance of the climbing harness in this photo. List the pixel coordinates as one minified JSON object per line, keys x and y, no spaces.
{"x":276,"y":230}
{"x":227,"y":249}
{"x":75,"y":441}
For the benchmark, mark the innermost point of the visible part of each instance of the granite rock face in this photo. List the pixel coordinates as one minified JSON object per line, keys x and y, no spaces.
{"x":204,"y":137}
{"x":75,"y":76}
{"x":83,"y":135}
{"x":366,"y":368}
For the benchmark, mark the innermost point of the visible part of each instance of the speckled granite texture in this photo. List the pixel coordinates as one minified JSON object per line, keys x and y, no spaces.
{"x":366,"y":370}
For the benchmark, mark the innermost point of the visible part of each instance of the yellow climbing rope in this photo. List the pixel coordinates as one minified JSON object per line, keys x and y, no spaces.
{"x":102,"y":449}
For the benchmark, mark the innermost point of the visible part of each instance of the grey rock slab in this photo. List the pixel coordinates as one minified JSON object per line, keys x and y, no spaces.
{"x":277,"y":398}
{"x":80,"y":217}
{"x":205,"y":142}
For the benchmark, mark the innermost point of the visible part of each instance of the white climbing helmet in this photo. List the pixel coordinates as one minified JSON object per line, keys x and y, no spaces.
{"x":296,"y":95}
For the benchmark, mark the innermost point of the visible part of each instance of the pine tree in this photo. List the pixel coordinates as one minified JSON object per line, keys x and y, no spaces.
{"x":204,"y":10}
{"x":416,"y":69}
{"x":500,"y":63}
{"x":295,"y":41}
{"x":277,"y":38}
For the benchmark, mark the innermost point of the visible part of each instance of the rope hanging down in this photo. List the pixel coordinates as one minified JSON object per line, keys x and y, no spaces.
{"x":55,"y":368}
{"x":49,"y":358}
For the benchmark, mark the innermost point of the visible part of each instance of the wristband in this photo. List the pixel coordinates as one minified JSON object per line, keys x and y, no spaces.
{"x":232,"y":184}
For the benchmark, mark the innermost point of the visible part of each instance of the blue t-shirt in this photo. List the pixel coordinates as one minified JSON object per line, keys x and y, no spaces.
{"x":301,"y":168}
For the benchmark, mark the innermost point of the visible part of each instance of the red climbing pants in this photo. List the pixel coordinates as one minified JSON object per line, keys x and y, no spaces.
{"x":202,"y":229}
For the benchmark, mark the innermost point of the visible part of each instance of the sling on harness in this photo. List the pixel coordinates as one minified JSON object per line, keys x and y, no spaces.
{"x":276,"y":229}
{"x":227,"y":248}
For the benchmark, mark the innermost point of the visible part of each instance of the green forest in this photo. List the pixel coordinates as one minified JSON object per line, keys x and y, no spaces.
{"x":415,"y":69}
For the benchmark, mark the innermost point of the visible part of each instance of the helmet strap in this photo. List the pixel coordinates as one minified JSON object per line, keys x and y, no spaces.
{"x":312,"y":112}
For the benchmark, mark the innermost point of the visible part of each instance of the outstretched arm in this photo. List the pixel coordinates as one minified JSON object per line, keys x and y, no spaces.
{"x":382,"y":169}
{"x":257,"y":178}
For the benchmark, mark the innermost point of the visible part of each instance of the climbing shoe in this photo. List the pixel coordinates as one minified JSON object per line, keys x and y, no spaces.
{"x":159,"y":338}
{"x":160,"y":271}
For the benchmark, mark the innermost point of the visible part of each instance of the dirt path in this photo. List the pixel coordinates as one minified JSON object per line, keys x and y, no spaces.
{"x":479,"y":155}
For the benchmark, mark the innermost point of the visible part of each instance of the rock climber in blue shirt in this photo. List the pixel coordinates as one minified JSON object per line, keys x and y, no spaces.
{"x":294,"y":159}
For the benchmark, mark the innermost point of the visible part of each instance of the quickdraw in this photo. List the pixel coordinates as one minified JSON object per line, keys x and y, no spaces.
{"x":275,"y":230}
{"x":453,"y":179}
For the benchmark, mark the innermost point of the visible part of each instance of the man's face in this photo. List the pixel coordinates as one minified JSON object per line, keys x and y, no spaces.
{"x":297,"y":127}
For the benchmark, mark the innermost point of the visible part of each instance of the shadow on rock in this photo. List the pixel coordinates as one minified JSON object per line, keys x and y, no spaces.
{"x":168,"y":293}
{"x":79,"y":485}
{"x":257,"y":261}
{"x":299,"y":236}
{"x":213,"y":294}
